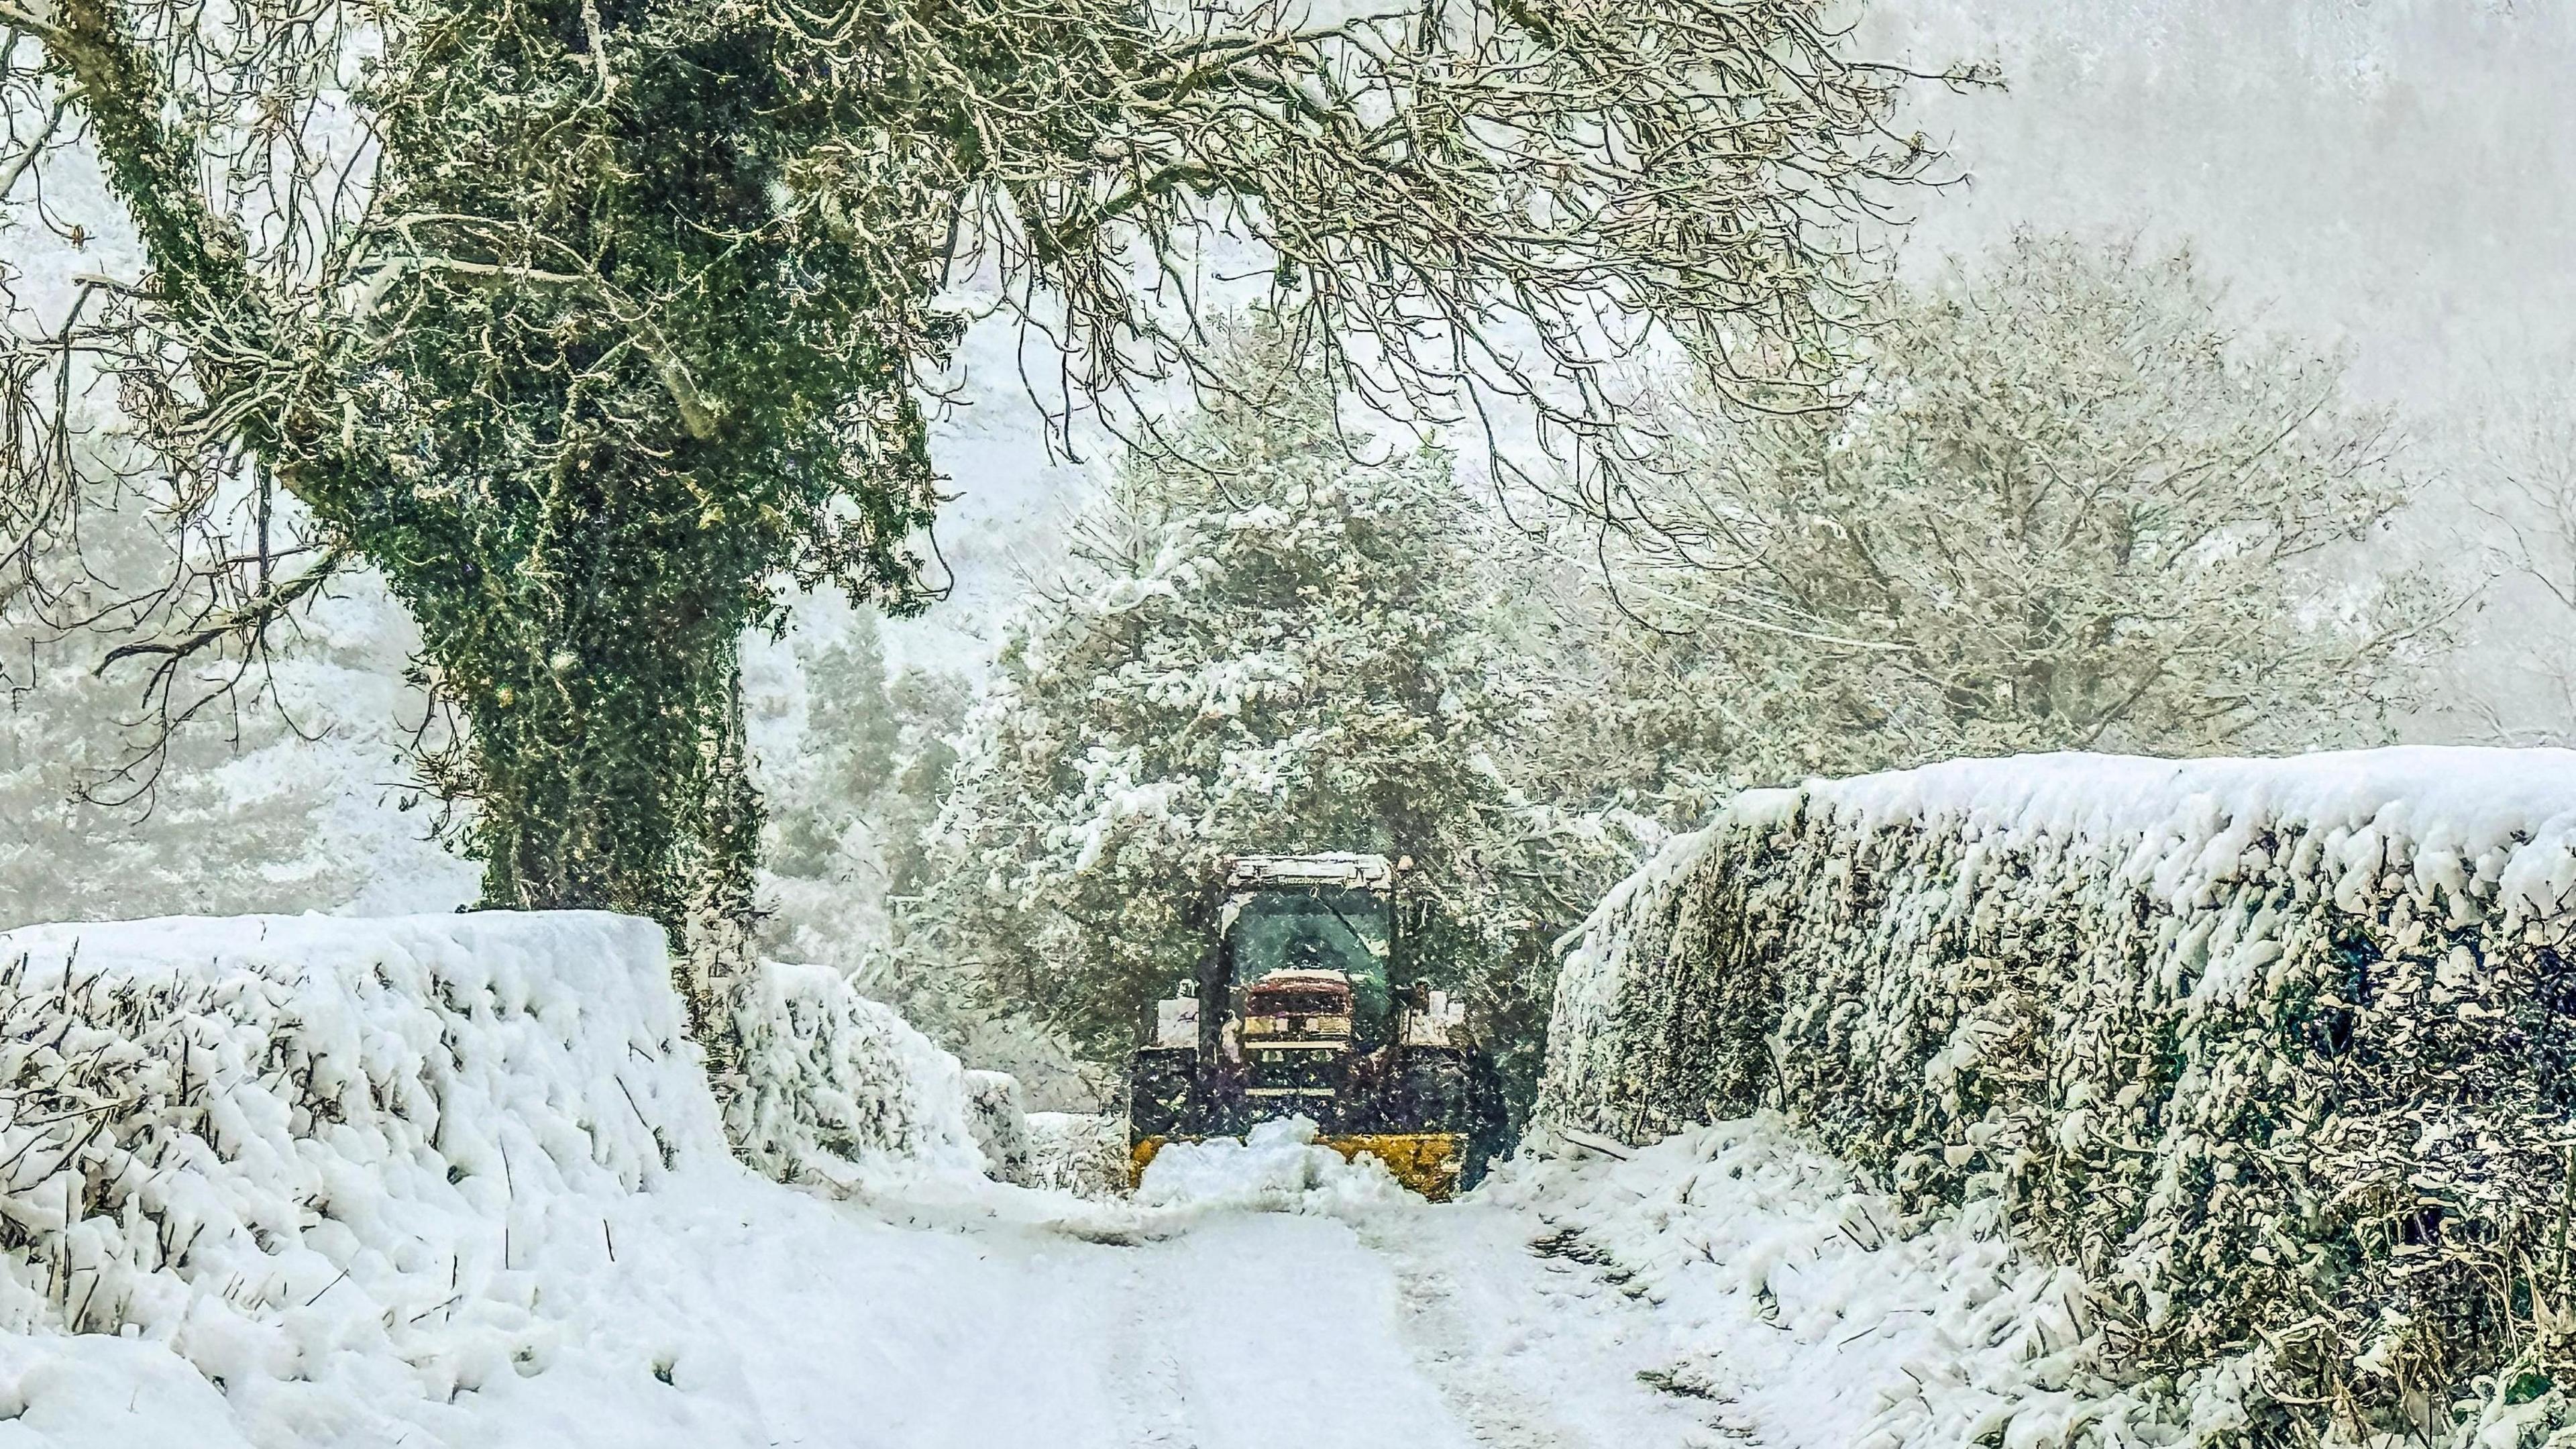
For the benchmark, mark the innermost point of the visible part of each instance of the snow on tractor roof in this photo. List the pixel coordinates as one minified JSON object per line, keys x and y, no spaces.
{"x":1337,"y":868}
{"x":1303,"y":979}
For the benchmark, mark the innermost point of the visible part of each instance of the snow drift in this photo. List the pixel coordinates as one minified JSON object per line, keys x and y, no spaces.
{"x":2274,"y":1053}
{"x":340,"y":1166}
{"x":1812,"y":1312}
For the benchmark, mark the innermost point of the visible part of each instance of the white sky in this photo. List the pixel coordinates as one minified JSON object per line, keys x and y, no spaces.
{"x":2395,"y":173}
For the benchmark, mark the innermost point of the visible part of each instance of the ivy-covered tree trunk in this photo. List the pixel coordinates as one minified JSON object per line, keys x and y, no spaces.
{"x":585,"y":758}
{"x":723,"y":868}
{"x":595,"y":790}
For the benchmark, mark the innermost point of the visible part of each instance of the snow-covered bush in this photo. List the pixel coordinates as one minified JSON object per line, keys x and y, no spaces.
{"x":1083,"y":1153}
{"x":342,"y":1181}
{"x":297,"y":1148}
{"x":999,"y":1119}
{"x":832,"y":1080}
{"x":2277,"y":1054}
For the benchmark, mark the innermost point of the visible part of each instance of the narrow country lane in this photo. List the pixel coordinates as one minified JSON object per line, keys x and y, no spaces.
{"x":1705,"y":1296}
{"x":1404,"y":1326}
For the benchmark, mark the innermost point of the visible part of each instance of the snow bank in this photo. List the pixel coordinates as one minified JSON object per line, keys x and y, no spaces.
{"x":1275,"y":1167}
{"x":836,"y":1081}
{"x":304,"y":1151}
{"x":279,"y":1181}
{"x":1815,"y":1314}
{"x":2275,"y":1054}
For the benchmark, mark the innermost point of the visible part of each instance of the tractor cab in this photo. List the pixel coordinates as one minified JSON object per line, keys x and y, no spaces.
{"x":1305,"y":943}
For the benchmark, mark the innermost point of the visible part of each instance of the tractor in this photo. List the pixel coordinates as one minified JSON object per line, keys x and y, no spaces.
{"x":1294,"y":1010}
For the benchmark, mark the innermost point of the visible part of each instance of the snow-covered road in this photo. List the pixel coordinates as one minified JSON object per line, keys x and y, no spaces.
{"x":1323,"y":1318}
{"x":1728,"y":1286}
{"x":945,"y":1316}
{"x":1407,"y":1326}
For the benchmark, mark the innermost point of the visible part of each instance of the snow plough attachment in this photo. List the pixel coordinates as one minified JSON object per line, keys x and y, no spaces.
{"x":1429,"y":1163}
{"x":1292,"y":1013}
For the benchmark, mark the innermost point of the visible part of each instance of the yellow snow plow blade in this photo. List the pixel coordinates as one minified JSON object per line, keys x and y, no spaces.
{"x":1426,"y":1162}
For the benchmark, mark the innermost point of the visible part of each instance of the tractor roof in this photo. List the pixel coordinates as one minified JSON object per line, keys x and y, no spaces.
{"x":1338,"y":868}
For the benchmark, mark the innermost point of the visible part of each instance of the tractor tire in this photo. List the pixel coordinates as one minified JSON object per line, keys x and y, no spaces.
{"x":1163,"y":1095}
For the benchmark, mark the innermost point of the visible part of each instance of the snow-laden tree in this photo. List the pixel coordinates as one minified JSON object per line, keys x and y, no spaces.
{"x":2071,"y":507}
{"x":1264,"y":645}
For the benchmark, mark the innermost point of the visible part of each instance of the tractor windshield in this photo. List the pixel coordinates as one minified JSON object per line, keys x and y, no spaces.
{"x":1317,"y":928}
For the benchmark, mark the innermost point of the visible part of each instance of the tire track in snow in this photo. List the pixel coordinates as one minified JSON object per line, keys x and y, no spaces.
{"x":1492,"y":1406}
{"x":1268,"y":1331}
{"x":1148,"y":1382}
{"x":1533,"y":1353}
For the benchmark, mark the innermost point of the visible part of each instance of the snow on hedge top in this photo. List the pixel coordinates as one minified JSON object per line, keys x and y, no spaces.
{"x":2501,"y":815}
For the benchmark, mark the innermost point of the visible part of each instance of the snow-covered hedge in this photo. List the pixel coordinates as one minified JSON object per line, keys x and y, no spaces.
{"x":2277,"y":1054}
{"x":1083,"y":1153}
{"x":834,"y":1079}
{"x":292,"y":1147}
{"x":343,"y":1166}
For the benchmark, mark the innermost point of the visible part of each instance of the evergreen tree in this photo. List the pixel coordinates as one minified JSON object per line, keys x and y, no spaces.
{"x":854,"y":763}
